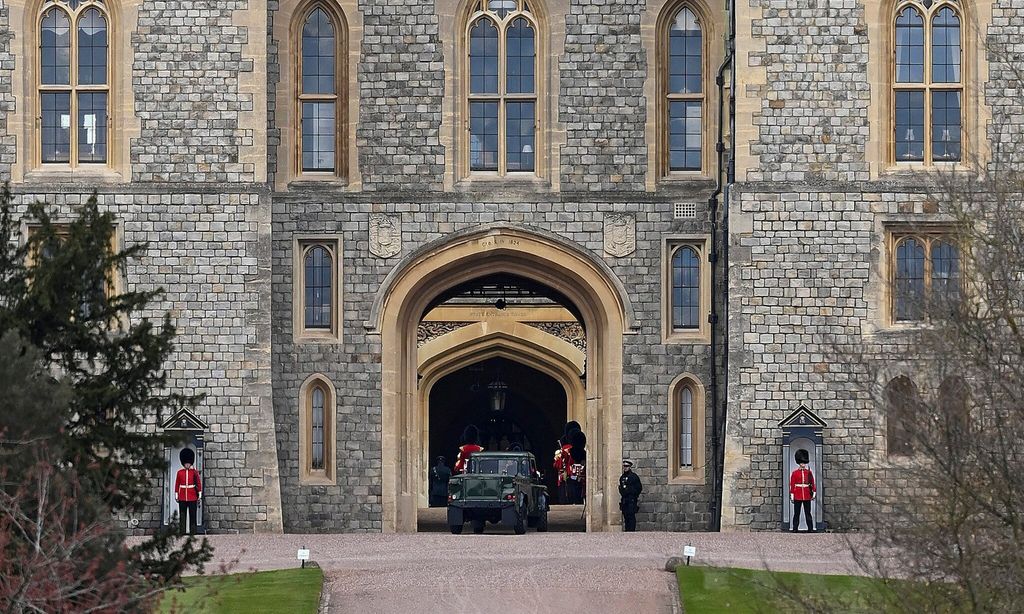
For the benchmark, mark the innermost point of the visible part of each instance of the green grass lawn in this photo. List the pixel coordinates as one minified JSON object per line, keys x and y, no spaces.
{"x":707,"y":590}
{"x":288,"y":591}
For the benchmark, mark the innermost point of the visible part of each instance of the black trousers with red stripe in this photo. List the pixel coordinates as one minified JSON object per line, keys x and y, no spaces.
{"x":807,"y":514}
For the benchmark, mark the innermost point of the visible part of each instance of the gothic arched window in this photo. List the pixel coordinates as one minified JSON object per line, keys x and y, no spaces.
{"x":928,"y":82}
{"x":321,"y":107}
{"x":684,"y":91}
{"x":317,"y":407}
{"x":685,"y":301}
{"x":902,"y":409}
{"x":501,"y":93}
{"x":318,"y":287}
{"x":926,"y":276}
{"x":74,"y":82}
{"x":686,"y":421}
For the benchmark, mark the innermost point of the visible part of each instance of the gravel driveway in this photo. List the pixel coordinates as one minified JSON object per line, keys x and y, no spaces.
{"x":498,"y":571}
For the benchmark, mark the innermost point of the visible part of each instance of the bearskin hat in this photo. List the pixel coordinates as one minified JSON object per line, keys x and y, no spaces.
{"x":570,"y":426}
{"x":471,"y":434}
{"x":579,"y":445}
{"x":802,"y":457}
{"x":187,"y":456}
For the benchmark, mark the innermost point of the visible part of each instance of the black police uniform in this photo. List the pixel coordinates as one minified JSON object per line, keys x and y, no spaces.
{"x":629,"y":490}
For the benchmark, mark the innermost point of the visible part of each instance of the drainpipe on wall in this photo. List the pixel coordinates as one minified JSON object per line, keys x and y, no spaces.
{"x":726,"y":169}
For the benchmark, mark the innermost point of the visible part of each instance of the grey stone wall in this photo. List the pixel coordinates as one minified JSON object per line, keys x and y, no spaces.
{"x":401,"y":86}
{"x":208,"y":252}
{"x":7,"y":144}
{"x":813,"y":122}
{"x":354,"y":365}
{"x":602,"y":102}
{"x":185,"y":78}
{"x":1005,"y":53}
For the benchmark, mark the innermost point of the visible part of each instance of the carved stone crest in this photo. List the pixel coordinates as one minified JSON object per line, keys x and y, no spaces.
{"x":619,"y":234}
{"x":385,"y":235}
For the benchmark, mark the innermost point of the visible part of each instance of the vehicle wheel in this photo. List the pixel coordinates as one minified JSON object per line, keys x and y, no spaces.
{"x":456,"y":529}
{"x":520,"y":526}
{"x":542,"y":522}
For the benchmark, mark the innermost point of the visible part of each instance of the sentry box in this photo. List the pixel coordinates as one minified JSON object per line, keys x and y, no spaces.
{"x":803,"y":430}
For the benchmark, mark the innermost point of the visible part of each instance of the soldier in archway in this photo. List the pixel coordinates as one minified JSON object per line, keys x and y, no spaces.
{"x":188,"y":490}
{"x":470,"y":444}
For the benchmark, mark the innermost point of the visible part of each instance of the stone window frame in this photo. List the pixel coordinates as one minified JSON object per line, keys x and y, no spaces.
{"x":308,"y":475}
{"x":342,"y":90}
{"x":702,"y":244}
{"x":122,"y":124}
{"x":927,"y":233}
{"x":968,"y":97}
{"x":542,"y":139}
{"x":300,"y":245}
{"x":708,"y":87}
{"x":116,"y":281}
{"x":695,"y":474}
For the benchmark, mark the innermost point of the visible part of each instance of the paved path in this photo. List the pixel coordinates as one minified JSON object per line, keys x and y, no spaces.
{"x":498,"y":571}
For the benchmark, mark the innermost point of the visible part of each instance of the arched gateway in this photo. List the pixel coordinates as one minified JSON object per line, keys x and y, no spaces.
{"x":592,"y":381}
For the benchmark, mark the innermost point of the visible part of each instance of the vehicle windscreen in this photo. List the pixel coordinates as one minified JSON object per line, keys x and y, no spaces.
{"x":498,"y":466}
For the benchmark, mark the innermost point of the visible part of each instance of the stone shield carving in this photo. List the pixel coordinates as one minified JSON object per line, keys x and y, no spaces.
{"x":619,"y":234}
{"x":385,"y":235}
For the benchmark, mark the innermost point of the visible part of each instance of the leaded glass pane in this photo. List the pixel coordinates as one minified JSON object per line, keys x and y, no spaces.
{"x":55,"y":48}
{"x":483,"y":136}
{"x":946,"y":47}
{"x":92,"y":127}
{"x":318,"y":54}
{"x":685,"y":135}
{"x":483,"y":58}
{"x":909,"y":291}
{"x":520,"y":54}
{"x":685,"y":57}
{"x":685,"y":289}
{"x":946,"y":125}
{"x":909,"y":136}
{"x":318,"y":288}
{"x":519,"y":125}
{"x":686,"y":428}
{"x":318,"y":136}
{"x":56,"y":126}
{"x":317,"y":423}
{"x":92,"y":48}
{"x":945,"y":274}
{"x":909,"y":46}
{"x":502,"y":7}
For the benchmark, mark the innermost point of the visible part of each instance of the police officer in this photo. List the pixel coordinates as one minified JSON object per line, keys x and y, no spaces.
{"x":629,"y":491}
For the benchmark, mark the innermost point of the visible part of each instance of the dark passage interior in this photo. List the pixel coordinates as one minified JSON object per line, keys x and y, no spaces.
{"x":512,"y":405}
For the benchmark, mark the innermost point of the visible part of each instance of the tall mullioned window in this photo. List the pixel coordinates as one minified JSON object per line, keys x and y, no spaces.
{"x":684,"y":90}
{"x":502,"y":87}
{"x":321,"y":109}
{"x":926,"y":276}
{"x":686,"y":427}
{"x":686,"y":421}
{"x":928,"y":82}
{"x":74,"y":83}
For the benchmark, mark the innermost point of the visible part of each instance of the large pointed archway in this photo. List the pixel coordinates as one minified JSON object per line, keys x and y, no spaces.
{"x":585,"y":282}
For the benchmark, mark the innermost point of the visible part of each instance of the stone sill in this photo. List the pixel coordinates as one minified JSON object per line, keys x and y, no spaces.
{"x":63,"y":174}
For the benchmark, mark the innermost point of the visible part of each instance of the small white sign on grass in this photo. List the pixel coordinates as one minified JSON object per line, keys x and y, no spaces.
{"x":303,"y":554}
{"x":689,"y":551}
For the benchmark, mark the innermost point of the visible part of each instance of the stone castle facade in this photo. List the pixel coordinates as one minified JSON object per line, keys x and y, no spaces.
{"x":782,"y":177}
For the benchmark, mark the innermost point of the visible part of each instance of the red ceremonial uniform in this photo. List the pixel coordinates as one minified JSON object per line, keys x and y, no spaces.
{"x":564,"y":464}
{"x":801,"y":484}
{"x":187,"y":485}
{"x":464,"y":453}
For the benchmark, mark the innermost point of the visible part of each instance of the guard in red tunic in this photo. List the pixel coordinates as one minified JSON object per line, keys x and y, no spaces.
{"x":563,"y":465}
{"x":188,"y":490}
{"x":471,"y":444}
{"x":802,"y":490}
